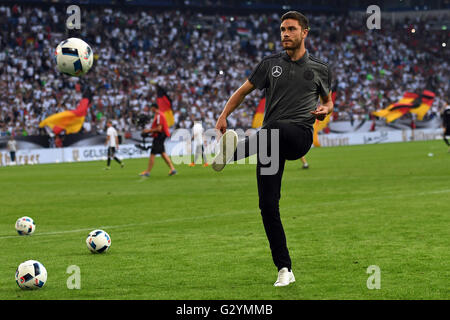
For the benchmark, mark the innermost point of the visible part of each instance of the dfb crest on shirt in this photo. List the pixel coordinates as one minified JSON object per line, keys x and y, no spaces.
{"x":276,"y":71}
{"x":308,"y":74}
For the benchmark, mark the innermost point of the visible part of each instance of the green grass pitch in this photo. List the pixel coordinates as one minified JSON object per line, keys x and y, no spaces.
{"x":199,"y":234}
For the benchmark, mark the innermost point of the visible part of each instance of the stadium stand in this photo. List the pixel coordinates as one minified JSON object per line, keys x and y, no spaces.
{"x":200,"y":58}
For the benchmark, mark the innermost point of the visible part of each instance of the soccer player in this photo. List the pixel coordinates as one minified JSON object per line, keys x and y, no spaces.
{"x":293,"y":81}
{"x":112,"y":141}
{"x":446,"y":125}
{"x":12,"y":147}
{"x":197,"y":131}
{"x":305,"y":163}
{"x":160,"y":131}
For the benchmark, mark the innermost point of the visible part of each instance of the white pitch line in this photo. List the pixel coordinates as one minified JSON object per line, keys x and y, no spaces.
{"x":227,"y":214}
{"x":126,"y":225}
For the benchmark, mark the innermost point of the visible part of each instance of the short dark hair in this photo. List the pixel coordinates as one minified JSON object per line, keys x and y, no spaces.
{"x":302,"y":20}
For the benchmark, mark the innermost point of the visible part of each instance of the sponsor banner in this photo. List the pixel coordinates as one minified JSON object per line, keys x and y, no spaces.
{"x":93,"y":153}
{"x":381,"y":125}
{"x":181,"y":147}
{"x":347,"y":139}
{"x":29,"y":156}
{"x":57,"y":155}
{"x":78,"y":140}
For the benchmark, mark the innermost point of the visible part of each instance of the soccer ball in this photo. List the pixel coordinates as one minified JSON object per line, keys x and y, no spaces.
{"x":31,"y":275}
{"x":25,"y":226}
{"x":74,"y":57}
{"x":98,"y":241}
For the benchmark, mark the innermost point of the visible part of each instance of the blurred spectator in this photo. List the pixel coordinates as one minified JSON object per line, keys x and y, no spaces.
{"x":58,"y":141}
{"x":12,"y":148}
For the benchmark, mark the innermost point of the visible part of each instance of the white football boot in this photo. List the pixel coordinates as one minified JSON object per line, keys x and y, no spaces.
{"x":285,"y":277}
{"x":227,"y":146}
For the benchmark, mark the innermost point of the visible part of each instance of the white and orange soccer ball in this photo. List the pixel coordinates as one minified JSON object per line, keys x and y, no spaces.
{"x":74,"y":57}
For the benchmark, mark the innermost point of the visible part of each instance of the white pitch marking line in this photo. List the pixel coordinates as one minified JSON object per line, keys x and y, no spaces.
{"x":126,"y":225}
{"x":220,"y":215}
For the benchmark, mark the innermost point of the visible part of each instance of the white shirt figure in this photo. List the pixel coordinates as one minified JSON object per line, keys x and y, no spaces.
{"x":12,"y":145}
{"x":112,"y":135}
{"x":197,"y":131}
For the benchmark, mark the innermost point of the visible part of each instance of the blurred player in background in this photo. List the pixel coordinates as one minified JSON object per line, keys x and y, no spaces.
{"x":305,"y":163}
{"x":199,"y":146}
{"x":160,"y":131}
{"x":446,"y":125}
{"x":293,"y":81}
{"x":12,"y":148}
{"x":112,"y":141}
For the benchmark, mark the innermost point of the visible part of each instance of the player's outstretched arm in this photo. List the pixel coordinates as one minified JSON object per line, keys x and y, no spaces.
{"x":235,"y":100}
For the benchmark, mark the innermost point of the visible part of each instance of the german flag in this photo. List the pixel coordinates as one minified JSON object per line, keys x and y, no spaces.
{"x":69,"y":121}
{"x":259,"y":114}
{"x":427,"y":99}
{"x":165,"y":104}
{"x":410,"y":102}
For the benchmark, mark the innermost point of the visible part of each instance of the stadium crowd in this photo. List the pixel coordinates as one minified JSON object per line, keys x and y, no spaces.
{"x":200,"y":60}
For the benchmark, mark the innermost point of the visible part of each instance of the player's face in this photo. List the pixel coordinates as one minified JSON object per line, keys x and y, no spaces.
{"x":292,"y":34}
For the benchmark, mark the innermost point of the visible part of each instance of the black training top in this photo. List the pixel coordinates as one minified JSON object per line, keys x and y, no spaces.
{"x":292,"y":87}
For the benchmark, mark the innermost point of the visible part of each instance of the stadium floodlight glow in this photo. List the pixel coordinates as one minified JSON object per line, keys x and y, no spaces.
{"x":444,"y":44}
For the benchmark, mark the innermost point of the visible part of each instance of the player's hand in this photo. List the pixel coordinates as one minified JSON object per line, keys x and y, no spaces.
{"x":320,"y":113}
{"x":221,"y":125}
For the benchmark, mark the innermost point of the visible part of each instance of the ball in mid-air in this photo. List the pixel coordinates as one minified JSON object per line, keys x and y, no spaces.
{"x":31,"y":274}
{"x":98,"y":241}
{"x":74,"y":57}
{"x":25,"y":226}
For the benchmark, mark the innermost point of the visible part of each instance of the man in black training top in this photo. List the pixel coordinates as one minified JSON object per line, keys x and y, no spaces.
{"x":293,"y":82}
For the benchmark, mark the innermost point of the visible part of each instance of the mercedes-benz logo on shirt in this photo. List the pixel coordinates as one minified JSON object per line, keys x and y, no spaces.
{"x":277,"y":71}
